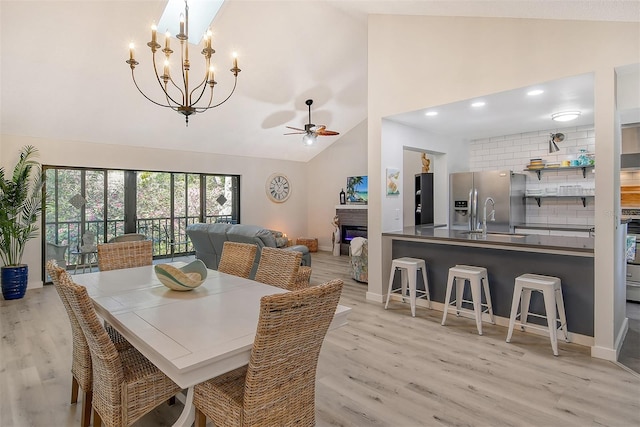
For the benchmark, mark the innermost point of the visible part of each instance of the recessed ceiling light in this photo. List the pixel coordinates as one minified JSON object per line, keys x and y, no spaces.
{"x":535,"y":92}
{"x":565,"y":116}
{"x":431,"y":113}
{"x":479,"y":104}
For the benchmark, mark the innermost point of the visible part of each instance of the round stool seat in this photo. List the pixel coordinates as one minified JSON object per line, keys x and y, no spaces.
{"x":409,"y":275}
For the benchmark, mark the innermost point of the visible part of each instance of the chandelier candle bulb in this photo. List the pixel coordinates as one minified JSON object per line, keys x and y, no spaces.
{"x":154,"y":28}
{"x":181,"y":23}
{"x":167,"y":39}
{"x":235,"y":60}
{"x":131,"y":51}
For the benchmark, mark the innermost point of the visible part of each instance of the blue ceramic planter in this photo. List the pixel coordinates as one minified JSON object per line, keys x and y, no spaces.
{"x":14,"y":281}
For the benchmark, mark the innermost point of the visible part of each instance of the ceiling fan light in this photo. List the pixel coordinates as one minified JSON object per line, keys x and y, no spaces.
{"x":308,"y":139}
{"x":565,"y":116}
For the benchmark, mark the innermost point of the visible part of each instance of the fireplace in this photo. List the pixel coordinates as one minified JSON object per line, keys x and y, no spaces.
{"x":353,"y":223}
{"x":348,"y":232}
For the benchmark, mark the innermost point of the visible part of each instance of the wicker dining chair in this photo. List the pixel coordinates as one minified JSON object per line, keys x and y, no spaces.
{"x":277,"y":387}
{"x":81,"y":371}
{"x":126,"y":385}
{"x":278,"y":267}
{"x":237,"y":258}
{"x":115,"y":256}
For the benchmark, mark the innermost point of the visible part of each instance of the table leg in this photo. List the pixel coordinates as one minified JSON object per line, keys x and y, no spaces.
{"x":188,"y":415}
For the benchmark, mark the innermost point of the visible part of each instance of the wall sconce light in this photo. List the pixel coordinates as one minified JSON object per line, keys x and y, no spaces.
{"x":565,"y":116}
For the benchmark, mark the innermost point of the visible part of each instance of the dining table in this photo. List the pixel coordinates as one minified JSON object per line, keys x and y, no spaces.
{"x":191,"y":336}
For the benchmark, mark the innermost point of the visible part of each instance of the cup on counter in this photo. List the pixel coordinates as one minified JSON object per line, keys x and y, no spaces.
{"x":566,"y":163}
{"x":575,"y":162}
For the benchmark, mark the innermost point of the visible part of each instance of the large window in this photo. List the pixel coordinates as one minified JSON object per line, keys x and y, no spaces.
{"x":109,"y":203}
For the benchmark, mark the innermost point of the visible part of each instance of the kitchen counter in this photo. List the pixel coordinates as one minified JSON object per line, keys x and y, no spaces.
{"x":505,"y":257}
{"x":519,"y":242}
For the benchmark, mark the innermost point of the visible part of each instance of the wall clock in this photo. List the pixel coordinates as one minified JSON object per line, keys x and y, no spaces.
{"x":278,"y":188}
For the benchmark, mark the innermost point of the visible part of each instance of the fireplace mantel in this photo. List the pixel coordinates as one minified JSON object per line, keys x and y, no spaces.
{"x":351,"y":207}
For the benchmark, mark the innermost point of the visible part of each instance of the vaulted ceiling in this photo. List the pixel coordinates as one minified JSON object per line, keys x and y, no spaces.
{"x":64,"y":74}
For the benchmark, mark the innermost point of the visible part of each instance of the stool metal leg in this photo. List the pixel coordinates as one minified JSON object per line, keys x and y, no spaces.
{"x":411,"y":275}
{"x":550,"y":307}
{"x":393,"y":273}
{"x":426,"y":283}
{"x":459,"y":294}
{"x":524,"y":307}
{"x":517,"y":296}
{"x":476,"y":295}
{"x":404,"y":281}
{"x":487,"y":294}
{"x":561,"y":312}
{"x":447,"y":297}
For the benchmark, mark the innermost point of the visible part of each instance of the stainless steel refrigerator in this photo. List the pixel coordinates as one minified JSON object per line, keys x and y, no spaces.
{"x":468,"y":193}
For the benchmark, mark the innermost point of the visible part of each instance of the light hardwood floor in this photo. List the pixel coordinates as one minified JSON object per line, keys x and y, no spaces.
{"x":384,"y":368}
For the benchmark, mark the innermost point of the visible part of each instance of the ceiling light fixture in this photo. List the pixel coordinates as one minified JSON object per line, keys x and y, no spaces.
{"x":535,"y":92}
{"x":182,"y":98}
{"x":479,"y":104}
{"x":565,"y":116}
{"x":431,"y":113}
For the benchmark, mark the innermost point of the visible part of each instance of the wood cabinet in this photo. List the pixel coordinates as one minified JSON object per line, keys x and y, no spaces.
{"x":424,"y":198}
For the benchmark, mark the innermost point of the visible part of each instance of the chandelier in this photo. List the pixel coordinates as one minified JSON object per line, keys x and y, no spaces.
{"x":178,"y":94}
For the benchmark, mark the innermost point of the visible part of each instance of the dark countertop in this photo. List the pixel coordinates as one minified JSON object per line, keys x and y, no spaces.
{"x":516,"y":242}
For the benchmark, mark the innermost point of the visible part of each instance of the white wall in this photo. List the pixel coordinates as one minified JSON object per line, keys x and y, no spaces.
{"x":447,"y":156}
{"x":289,"y":217}
{"x":448,"y":59}
{"x":327,"y":174}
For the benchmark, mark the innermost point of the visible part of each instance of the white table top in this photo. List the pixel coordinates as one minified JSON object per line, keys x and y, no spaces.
{"x":191,"y":336}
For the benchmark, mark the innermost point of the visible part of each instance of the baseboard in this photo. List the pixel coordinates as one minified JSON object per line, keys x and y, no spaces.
{"x":370,"y":296}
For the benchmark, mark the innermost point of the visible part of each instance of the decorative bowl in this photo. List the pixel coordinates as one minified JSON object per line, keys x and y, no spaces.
{"x":185,"y":278}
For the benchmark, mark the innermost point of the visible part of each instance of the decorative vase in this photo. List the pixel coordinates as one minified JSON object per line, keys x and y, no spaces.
{"x":14,"y":281}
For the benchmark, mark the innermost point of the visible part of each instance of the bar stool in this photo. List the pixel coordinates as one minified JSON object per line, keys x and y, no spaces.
{"x":409,"y":275}
{"x":478,"y":280}
{"x":552,"y":292}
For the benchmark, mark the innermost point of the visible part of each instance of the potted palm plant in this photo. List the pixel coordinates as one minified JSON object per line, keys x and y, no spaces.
{"x":20,"y":206}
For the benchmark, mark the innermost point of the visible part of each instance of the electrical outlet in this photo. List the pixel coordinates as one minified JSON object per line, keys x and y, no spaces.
{"x":397,"y":214}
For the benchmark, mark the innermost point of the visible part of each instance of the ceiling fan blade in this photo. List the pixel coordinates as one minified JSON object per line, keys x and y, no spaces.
{"x":300,"y":130}
{"x":327,"y":133}
{"x":295,"y":133}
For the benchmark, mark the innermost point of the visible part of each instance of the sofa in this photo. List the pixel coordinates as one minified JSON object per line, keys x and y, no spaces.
{"x":208,"y":239}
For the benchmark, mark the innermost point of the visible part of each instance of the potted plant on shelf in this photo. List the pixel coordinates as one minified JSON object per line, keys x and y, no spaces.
{"x":20,"y":206}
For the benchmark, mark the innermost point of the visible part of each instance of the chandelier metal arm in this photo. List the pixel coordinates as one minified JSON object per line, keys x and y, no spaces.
{"x":166,"y":93}
{"x":143,"y":94}
{"x":201,"y":109}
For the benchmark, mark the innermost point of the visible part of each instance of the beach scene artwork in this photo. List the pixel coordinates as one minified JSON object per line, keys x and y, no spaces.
{"x":357,"y":189}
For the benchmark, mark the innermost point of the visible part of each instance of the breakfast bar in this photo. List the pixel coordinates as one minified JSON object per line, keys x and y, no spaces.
{"x":505,"y":256}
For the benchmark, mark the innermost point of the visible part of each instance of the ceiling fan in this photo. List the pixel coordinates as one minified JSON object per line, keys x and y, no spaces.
{"x":311,"y":131}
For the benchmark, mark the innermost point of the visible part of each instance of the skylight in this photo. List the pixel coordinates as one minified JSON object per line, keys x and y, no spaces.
{"x":201,"y":14}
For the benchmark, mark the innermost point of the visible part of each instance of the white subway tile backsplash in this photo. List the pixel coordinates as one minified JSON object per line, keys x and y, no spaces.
{"x":515,"y":151}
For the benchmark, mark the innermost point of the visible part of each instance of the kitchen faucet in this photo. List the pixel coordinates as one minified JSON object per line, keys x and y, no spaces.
{"x":492,"y":214}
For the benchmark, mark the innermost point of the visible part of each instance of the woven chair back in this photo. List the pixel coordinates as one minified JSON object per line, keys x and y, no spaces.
{"x":237,"y":258}
{"x":81,"y":356}
{"x":280,"y":382}
{"x":278,"y":267}
{"x":303,"y":277}
{"x":108,"y":374}
{"x":115,"y":256}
